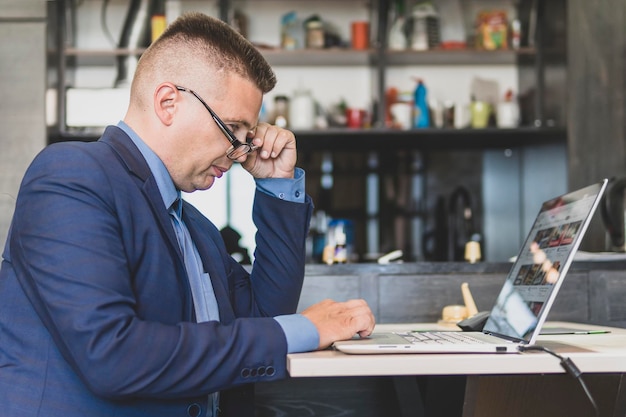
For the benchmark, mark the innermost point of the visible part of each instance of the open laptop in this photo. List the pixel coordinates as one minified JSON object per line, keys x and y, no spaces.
{"x":526,"y":296}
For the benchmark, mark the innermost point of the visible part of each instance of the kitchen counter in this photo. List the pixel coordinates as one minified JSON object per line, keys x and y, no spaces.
{"x":593,"y":291}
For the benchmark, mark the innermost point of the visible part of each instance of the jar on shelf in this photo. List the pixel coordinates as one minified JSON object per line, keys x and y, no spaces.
{"x":425,"y":27}
{"x":292,"y":33}
{"x":314,"y":32}
{"x":281,"y":111}
{"x":302,"y":110}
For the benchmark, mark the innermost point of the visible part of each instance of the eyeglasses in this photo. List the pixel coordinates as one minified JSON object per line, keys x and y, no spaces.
{"x":238,"y":148}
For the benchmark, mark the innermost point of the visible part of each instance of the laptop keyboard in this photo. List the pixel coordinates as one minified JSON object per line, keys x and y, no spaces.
{"x":440,"y":338}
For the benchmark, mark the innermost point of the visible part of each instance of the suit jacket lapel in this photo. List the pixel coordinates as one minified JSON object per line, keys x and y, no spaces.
{"x":134,"y":161}
{"x":136,"y":165}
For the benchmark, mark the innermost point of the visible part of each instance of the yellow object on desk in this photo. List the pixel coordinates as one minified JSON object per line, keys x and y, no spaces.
{"x":452,"y":314}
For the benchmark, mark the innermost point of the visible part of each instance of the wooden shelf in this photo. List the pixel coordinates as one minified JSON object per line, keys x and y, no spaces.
{"x":426,"y":139}
{"x":343,"y":139}
{"x":312,"y":57}
{"x":104,"y":52}
{"x":334,"y":56}
{"x":318,"y":57}
{"x":456,"y":57}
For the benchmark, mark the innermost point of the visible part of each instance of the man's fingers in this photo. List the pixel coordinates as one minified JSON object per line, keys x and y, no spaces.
{"x":340,"y":320}
{"x":271,"y":141}
{"x":276,"y":153}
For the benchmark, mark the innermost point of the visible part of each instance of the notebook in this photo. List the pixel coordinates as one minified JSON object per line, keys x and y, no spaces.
{"x":526,"y":295}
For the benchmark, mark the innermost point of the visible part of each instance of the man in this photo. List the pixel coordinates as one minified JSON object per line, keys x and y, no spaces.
{"x":116,"y":299}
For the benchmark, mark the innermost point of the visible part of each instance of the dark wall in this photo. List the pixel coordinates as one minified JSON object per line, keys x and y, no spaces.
{"x":542,"y":75}
{"x":596,"y":93}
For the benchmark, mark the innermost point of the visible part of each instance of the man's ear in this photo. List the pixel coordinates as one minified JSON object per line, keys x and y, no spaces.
{"x":165,"y":102}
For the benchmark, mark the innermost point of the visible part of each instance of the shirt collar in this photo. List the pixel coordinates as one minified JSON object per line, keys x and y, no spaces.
{"x":166,"y":186}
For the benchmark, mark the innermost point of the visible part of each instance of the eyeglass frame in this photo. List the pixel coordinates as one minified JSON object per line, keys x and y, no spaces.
{"x":234,"y":142}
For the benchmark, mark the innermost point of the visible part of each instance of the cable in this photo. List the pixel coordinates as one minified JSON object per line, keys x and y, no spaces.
{"x":570,"y":368}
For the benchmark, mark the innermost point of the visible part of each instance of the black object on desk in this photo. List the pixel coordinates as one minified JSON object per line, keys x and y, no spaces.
{"x":474,"y":323}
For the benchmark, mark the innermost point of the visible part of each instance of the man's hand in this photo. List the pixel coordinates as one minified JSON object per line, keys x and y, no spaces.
{"x":276,"y":154}
{"x":340,"y":321}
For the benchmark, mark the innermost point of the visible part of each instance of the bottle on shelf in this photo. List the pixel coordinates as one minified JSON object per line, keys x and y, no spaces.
{"x":341,"y":251}
{"x":421,"y":112}
{"x":338,"y":242}
{"x":281,"y":111}
{"x":157,"y":20}
{"x":508,"y":111}
{"x":397,"y":33}
{"x":425,"y":27}
{"x":291,"y":32}
{"x":314,"y":32}
{"x":302,"y":110}
{"x":516,"y":34}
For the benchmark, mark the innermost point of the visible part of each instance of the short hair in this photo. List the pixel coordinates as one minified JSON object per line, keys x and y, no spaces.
{"x":194,"y":41}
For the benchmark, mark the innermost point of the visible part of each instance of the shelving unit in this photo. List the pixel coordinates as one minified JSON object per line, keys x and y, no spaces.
{"x":377,"y":142}
{"x":376,"y":57}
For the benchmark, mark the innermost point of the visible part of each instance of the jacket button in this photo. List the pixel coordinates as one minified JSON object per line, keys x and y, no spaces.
{"x":253,"y":372}
{"x":194,"y":410}
{"x":245,"y":372}
{"x":261,"y":371}
{"x":270,"y":371}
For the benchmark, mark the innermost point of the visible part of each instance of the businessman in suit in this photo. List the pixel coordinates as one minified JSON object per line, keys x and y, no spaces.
{"x":117,"y":298}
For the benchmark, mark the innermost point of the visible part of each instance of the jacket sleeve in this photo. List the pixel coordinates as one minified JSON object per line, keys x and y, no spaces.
{"x":279,"y":258}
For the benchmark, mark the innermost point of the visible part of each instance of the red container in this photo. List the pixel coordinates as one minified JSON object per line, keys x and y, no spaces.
{"x":355,"y":117}
{"x":360,"y":35}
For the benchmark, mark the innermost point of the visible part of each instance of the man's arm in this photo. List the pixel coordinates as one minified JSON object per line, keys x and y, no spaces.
{"x":95,"y":266}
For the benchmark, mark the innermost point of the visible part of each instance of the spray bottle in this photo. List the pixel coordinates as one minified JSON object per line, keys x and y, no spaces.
{"x":421,"y":113}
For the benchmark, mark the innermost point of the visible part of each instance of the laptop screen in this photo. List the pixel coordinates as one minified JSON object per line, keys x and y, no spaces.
{"x":531,"y":286}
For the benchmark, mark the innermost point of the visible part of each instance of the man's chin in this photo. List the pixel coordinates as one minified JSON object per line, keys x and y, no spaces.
{"x":208,"y":183}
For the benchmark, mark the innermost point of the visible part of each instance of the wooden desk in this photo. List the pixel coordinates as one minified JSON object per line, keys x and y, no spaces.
{"x":522,"y":384}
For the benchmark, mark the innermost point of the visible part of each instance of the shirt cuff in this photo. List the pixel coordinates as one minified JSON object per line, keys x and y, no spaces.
{"x":290,"y":189}
{"x":301,"y":333}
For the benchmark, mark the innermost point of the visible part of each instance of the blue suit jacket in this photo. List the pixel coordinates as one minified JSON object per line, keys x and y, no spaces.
{"x":96,"y":314}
